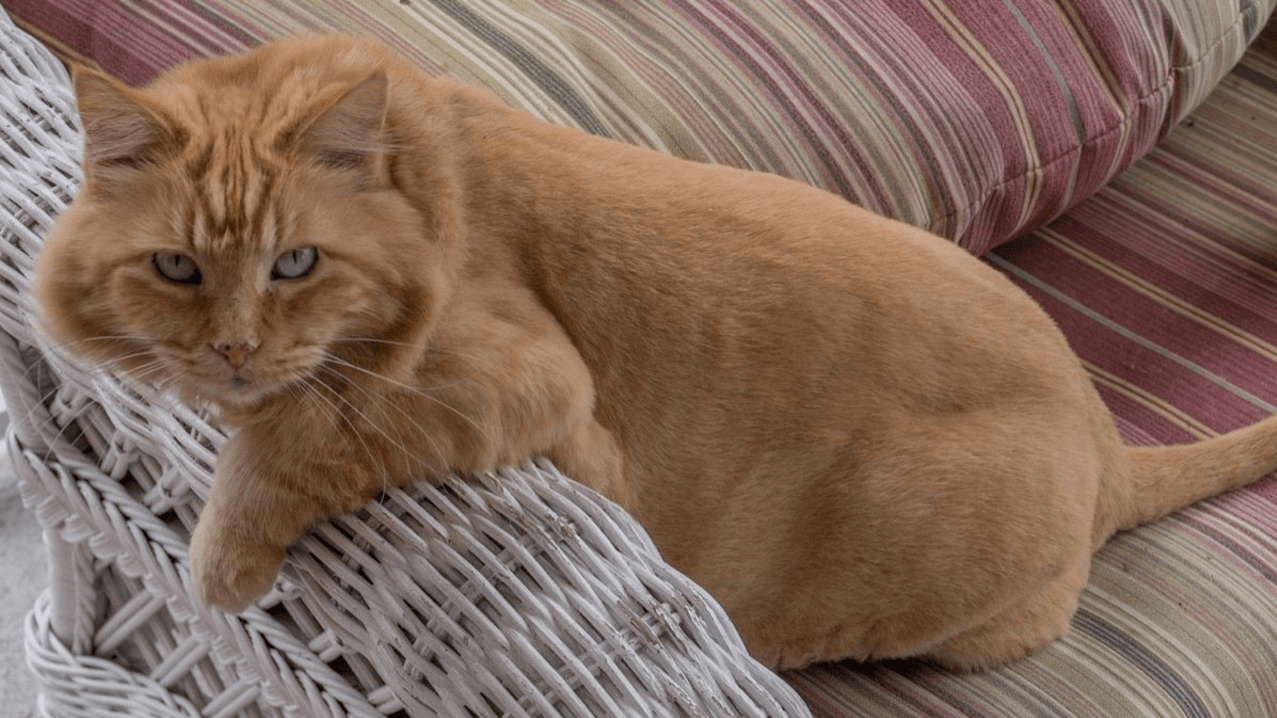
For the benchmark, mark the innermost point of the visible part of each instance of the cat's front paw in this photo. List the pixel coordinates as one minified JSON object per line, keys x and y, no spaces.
{"x":231,"y":573}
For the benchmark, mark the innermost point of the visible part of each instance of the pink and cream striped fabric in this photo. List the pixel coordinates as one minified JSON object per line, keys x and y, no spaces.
{"x":982,"y":120}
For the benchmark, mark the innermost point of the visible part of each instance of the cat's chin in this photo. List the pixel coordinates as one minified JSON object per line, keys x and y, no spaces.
{"x":231,"y":397}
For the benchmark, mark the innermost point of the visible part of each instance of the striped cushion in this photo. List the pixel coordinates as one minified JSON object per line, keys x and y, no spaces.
{"x":977,"y":119}
{"x":980,"y":119}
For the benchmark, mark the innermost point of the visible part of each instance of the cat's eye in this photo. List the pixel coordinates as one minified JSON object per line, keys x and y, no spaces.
{"x":176,"y":267}
{"x":295,"y":263}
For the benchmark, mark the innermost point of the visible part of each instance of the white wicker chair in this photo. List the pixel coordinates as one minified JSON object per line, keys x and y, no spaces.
{"x":513,"y":594}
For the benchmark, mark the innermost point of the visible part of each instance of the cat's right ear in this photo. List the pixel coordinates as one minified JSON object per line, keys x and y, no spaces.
{"x":350,"y":135}
{"x":122,"y":135}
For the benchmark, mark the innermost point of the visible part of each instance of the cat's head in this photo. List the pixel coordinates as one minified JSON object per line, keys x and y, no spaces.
{"x":240,"y":230}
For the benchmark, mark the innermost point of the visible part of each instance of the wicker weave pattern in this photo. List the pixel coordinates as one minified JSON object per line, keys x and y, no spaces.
{"x":513,"y":594}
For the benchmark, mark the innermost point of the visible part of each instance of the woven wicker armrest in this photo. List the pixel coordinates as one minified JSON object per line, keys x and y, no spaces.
{"x":517,"y":593}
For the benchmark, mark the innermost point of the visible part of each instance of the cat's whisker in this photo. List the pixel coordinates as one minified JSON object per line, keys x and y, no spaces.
{"x":144,"y":374}
{"x":399,"y":444}
{"x":69,"y":348}
{"x":468,"y":356}
{"x":434,"y":447}
{"x":305,"y":390}
{"x":79,"y":363}
{"x":413,"y":390}
{"x":140,"y":374}
{"x":387,"y":484}
{"x":102,"y":338}
{"x":371,"y":340}
{"x":42,"y":402}
{"x":307,"y":393}
{"x":325,"y":405}
{"x":64,"y":422}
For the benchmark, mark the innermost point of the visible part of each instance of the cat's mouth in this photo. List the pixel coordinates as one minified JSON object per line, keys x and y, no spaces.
{"x":242,"y":390}
{"x":238,"y":390}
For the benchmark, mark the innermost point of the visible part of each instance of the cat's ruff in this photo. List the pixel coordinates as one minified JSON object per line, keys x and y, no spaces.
{"x":861,"y":440}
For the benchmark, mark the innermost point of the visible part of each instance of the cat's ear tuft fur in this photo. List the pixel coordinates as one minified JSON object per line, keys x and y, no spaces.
{"x":121,"y":134}
{"x":351,"y":134}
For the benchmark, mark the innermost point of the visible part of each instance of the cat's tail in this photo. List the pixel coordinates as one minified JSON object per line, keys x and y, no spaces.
{"x":1166,"y":478}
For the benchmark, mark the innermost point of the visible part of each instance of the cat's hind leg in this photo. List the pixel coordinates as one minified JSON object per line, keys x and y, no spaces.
{"x":1040,"y":618}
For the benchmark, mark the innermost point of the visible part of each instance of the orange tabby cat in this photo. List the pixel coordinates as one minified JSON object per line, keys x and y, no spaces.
{"x":862,"y":441}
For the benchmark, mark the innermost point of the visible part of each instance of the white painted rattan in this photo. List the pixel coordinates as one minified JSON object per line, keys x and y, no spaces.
{"x":517,"y":593}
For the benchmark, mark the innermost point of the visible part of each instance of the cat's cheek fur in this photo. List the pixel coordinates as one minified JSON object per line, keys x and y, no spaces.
{"x":82,"y":318}
{"x":63,"y":281}
{"x":76,"y":288}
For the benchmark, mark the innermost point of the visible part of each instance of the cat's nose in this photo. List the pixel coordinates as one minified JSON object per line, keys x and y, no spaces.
{"x":235,"y":354}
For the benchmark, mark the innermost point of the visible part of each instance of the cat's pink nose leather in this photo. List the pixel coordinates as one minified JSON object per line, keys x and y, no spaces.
{"x":235,"y":354}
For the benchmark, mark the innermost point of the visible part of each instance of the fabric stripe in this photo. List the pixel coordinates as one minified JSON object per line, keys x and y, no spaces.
{"x":1066,"y":200}
{"x":1143,"y":659}
{"x":1108,"y":78}
{"x":1151,"y":345}
{"x":1156,"y":293}
{"x":992,"y":70}
{"x":1104,"y":380}
{"x":755,"y":55}
{"x":528,"y":61}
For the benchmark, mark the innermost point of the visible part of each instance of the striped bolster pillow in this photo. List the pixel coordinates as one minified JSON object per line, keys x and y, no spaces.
{"x":978,"y":119}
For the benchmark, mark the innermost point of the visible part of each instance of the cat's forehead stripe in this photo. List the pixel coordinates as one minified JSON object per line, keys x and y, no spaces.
{"x":260,"y":242}
{"x":234,"y":188}
{"x":198,"y":167}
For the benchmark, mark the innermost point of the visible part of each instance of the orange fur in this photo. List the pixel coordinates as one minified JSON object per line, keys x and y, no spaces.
{"x":863,"y":442}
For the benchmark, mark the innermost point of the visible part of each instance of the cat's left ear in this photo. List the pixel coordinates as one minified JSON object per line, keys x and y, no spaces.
{"x":351,"y":135}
